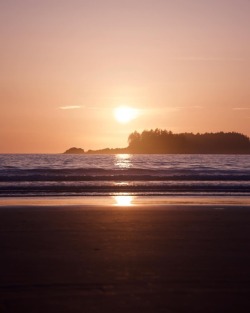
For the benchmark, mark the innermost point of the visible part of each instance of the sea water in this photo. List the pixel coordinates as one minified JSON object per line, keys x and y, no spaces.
{"x":124,"y":174}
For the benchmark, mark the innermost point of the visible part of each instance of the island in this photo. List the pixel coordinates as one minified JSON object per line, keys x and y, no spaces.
{"x":74,"y":150}
{"x":160,"y":141}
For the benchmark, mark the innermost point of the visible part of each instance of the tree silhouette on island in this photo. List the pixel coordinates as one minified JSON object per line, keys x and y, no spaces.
{"x":74,"y":150}
{"x":160,"y":141}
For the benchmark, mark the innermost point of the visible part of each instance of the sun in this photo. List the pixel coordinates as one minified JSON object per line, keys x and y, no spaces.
{"x":125,"y":114}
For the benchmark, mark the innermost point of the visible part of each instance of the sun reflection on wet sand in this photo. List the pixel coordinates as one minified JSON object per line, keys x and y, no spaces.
{"x":123,"y":200}
{"x":123,"y":161}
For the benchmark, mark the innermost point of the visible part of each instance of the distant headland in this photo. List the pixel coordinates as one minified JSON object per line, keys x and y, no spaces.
{"x":160,"y":141}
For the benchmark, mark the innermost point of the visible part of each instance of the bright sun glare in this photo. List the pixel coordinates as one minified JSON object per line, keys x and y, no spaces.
{"x":124,"y":200}
{"x":125,"y":114}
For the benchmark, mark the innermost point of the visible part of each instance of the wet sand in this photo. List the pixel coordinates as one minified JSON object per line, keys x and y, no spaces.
{"x":103,"y":258}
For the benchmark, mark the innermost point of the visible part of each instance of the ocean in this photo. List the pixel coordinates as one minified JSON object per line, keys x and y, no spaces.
{"x":38,"y":175}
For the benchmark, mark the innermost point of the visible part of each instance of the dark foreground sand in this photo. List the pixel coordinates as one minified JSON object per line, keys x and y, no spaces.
{"x":118,"y":259}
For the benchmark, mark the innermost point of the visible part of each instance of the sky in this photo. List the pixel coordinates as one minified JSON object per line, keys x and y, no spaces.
{"x":65,"y":66}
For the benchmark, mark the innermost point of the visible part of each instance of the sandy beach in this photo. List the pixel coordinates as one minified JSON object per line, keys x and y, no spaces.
{"x":143,"y":258}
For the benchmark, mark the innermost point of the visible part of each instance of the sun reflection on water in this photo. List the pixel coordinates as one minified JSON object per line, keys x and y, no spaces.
{"x":123,"y":200}
{"x":123,"y":161}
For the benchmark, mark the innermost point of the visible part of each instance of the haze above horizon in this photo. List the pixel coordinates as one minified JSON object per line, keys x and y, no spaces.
{"x":68,"y":67}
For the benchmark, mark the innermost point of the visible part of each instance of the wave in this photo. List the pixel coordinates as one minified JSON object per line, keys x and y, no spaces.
{"x":122,"y":189}
{"x":95,"y":175}
{"x":121,"y":175}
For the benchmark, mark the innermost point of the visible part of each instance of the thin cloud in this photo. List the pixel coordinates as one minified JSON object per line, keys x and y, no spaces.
{"x":241,"y":109}
{"x":208,"y":59}
{"x":184,"y":108}
{"x":70,"y":107}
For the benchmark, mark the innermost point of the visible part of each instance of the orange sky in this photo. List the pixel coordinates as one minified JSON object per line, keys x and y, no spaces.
{"x":66,"y":65}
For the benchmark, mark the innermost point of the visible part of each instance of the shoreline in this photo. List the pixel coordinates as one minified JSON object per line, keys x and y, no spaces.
{"x":125,"y":200}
